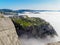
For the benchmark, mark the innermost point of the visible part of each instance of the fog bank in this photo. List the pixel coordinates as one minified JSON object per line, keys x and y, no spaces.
{"x":54,"y":19}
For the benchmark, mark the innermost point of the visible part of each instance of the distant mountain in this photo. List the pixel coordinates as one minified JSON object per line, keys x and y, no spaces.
{"x":9,"y":11}
{"x":23,"y":11}
{"x":34,"y":11}
{"x":6,"y":10}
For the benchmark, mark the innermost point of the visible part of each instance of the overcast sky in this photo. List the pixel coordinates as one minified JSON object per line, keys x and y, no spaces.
{"x":30,"y":4}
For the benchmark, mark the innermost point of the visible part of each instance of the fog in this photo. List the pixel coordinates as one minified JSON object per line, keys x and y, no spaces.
{"x":54,"y":19}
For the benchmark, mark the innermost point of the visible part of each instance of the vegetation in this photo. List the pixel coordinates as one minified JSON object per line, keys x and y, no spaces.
{"x":29,"y":21}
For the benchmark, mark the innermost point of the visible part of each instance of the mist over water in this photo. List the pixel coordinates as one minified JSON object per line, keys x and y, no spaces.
{"x":54,"y":19}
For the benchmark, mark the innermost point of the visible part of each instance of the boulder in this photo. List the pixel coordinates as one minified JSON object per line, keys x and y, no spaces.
{"x":33,"y":27}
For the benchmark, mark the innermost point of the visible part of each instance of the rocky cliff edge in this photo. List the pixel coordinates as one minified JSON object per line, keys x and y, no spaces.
{"x":8,"y":34}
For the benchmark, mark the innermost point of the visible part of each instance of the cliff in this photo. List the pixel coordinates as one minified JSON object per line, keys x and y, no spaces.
{"x":8,"y":34}
{"x":32,"y":27}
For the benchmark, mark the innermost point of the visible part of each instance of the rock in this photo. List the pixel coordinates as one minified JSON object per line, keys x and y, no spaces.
{"x":8,"y":34}
{"x":55,"y":43}
{"x":33,"y":27}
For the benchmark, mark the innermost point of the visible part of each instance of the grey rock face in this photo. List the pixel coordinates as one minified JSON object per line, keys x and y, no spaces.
{"x":8,"y":34}
{"x":54,"y":43}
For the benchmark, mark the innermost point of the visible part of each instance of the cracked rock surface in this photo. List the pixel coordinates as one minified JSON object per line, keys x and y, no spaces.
{"x":8,"y":34}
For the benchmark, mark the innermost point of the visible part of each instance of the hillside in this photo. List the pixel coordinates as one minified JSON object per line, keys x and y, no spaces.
{"x":33,"y":27}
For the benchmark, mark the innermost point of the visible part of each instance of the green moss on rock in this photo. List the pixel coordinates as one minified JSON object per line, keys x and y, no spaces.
{"x":33,"y":27}
{"x":29,"y":21}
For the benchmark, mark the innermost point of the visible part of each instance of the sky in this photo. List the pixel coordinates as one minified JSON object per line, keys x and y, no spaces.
{"x":30,"y":4}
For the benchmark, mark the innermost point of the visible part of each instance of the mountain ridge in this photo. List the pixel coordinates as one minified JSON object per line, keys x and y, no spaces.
{"x":25,"y":10}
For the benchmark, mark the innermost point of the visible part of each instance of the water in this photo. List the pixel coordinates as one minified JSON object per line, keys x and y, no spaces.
{"x":54,"y":19}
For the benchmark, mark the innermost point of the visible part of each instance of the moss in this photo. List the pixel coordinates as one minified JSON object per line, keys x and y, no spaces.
{"x":22,"y":22}
{"x":25,"y":22}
